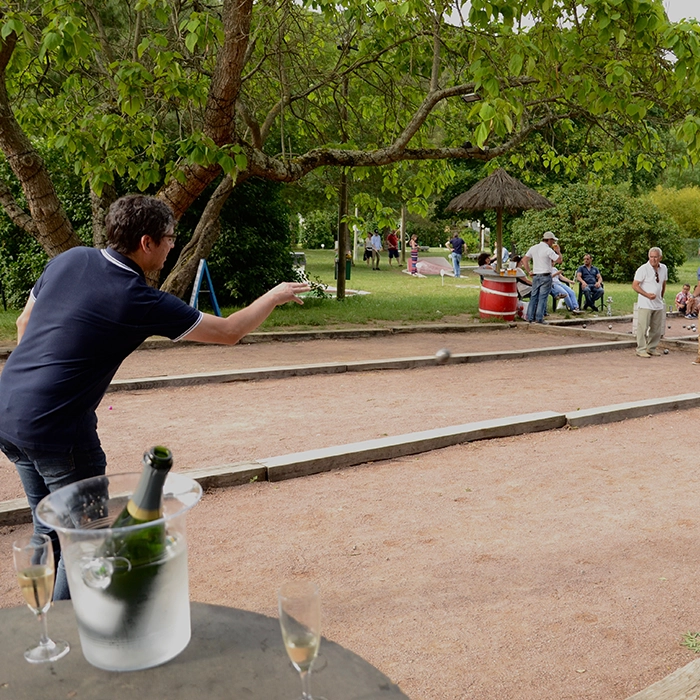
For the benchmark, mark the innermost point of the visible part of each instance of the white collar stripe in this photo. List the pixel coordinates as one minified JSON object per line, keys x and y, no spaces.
{"x":116,"y":262}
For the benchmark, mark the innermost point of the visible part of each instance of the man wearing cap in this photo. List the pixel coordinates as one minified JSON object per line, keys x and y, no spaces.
{"x":650,"y":285}
{"x":543,"y":255}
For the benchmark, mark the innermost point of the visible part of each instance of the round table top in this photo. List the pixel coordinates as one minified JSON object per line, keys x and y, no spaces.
{"x":232,"y":654}
{"x":490,"y":273}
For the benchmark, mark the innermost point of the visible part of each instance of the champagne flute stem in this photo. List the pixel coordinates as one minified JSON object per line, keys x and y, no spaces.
{"x":44,"y":639}
{"x":305,"y":685}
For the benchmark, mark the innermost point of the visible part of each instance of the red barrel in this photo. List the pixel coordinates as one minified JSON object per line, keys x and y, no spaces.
{"x":498,"y":298}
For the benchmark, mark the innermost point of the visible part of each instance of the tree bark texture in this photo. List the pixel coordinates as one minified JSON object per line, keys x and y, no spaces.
{"x":201,"y":243}
{"x":219,"y":114}
{"x":100,"y":206}
{"x":50,"y":225}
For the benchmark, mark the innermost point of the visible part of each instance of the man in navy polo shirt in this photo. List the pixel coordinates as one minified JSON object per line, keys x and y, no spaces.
{"x":456,"y":247}
{"x":588,"y":275}
{"x":87,"y":312}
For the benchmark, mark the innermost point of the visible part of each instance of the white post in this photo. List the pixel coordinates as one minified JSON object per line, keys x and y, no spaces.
{"x":354,"y":240}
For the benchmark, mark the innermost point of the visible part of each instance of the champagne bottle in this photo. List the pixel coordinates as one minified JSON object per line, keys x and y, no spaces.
{"x":146,"y":504}
{"x":138,"y":552}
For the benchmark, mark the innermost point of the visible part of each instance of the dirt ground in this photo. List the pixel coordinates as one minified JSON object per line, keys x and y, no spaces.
{"x":554,"y":565}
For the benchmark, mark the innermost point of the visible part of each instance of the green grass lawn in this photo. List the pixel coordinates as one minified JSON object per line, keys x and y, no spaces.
{"x":395,"y":297}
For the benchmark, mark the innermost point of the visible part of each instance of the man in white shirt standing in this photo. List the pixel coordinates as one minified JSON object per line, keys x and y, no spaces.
{"x":650,"y":285}
{"x":543,"y":255}
{"x":376,"y":249}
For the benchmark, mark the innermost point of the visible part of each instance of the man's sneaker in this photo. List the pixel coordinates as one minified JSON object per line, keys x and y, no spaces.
{"x":690,"y":316}
{"x":696,"y":362}
{"x":576,"y":311}
{"x":643,"y":353}
{"x":654,"y":353}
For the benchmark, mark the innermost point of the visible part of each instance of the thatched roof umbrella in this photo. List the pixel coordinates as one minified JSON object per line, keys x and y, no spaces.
{"x":501,"y":192}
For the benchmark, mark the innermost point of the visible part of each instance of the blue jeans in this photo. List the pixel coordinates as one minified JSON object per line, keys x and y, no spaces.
{"x":537,"y":308}
{"x":571,"y":301}
{"x":42,"y":473}
{"x":456,"y":259}
{"x":592,"y":294}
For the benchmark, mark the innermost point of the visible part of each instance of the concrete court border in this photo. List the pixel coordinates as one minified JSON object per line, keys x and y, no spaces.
{"x":241,"y":375}
{"x":298,"y":464}
{"x":17,"y":511}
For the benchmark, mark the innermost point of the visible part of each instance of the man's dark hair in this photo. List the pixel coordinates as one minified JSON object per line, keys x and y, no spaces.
{"x":134,"y":216}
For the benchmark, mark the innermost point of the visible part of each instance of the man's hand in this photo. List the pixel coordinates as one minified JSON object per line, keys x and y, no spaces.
{"x":288,"y":291}
{"x":228,"y":331}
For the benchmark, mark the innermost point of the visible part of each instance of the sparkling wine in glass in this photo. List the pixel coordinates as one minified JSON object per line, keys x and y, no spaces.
{"x":33,"y":557}
{"x":300,"y":621}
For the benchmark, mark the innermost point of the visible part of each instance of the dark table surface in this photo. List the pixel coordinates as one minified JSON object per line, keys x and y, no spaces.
{"x":233,"y":654}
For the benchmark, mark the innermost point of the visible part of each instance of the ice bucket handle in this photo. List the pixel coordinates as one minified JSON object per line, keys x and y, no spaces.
{"x":97,"y":572}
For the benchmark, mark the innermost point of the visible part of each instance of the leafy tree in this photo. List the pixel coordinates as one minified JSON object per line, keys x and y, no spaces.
{"x":252,"y":252}
{"x":22,"y":258}
{"x":683,"y":206}
{"x":319,"y":229}
{"x":180,"y":95}
{"x":616,"y":228}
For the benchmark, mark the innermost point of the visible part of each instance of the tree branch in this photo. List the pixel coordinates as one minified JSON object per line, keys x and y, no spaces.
{"x":17,"y":215}
{"x":262,"y":165}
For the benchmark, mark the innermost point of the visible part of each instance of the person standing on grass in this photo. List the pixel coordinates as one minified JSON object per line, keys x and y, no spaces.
{"x":376,"y":249}
{"x":392,"y":245}
{"x":650,"y":285}
{"x":368,"y":249}
{"x":414,"y":254}
{"x":88,"y":311}
{"x":544,"y":255}
{"x":456,"y":247}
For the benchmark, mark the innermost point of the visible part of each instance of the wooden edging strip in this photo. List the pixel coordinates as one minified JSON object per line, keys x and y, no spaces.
{"x":400,"y":363}
{"x":339,"y":456}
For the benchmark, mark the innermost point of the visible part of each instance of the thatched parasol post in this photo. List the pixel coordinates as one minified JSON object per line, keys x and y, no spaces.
{"x":499,"y":239}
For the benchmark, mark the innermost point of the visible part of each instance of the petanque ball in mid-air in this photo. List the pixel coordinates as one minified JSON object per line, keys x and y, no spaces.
{"x":442,"y":355}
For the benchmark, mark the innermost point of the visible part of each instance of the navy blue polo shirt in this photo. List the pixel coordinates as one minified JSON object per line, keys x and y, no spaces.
{"x":590,"y":277}
{"x":92,"y":309}
{"x":457,"y":244}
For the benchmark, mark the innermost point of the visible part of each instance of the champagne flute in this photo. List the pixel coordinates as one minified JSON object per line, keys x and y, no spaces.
{"x":34,"y":565}
{"x":300,"y":621}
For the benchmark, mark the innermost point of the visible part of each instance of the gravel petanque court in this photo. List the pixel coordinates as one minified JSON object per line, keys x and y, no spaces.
{"x":559,"y":564}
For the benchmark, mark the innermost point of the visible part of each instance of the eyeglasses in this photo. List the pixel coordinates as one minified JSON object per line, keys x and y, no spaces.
{"x":656,"y":272}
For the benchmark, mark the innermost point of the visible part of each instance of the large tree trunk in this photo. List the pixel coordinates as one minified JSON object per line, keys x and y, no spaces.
{"x":100,"y":206}
{"x":180,"y":278}
{"x":50,"y":225}
{"x":219,"y":115}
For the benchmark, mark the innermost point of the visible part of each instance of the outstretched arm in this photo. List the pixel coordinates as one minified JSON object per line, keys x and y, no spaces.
{"x":228,"y":331}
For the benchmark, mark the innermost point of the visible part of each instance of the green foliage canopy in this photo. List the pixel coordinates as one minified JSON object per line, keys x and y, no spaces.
{"x":683,"y":206}
{"x":174,"y":93}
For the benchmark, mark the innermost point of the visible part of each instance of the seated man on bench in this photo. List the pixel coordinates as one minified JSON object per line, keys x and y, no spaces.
{"x":591,"y":281}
